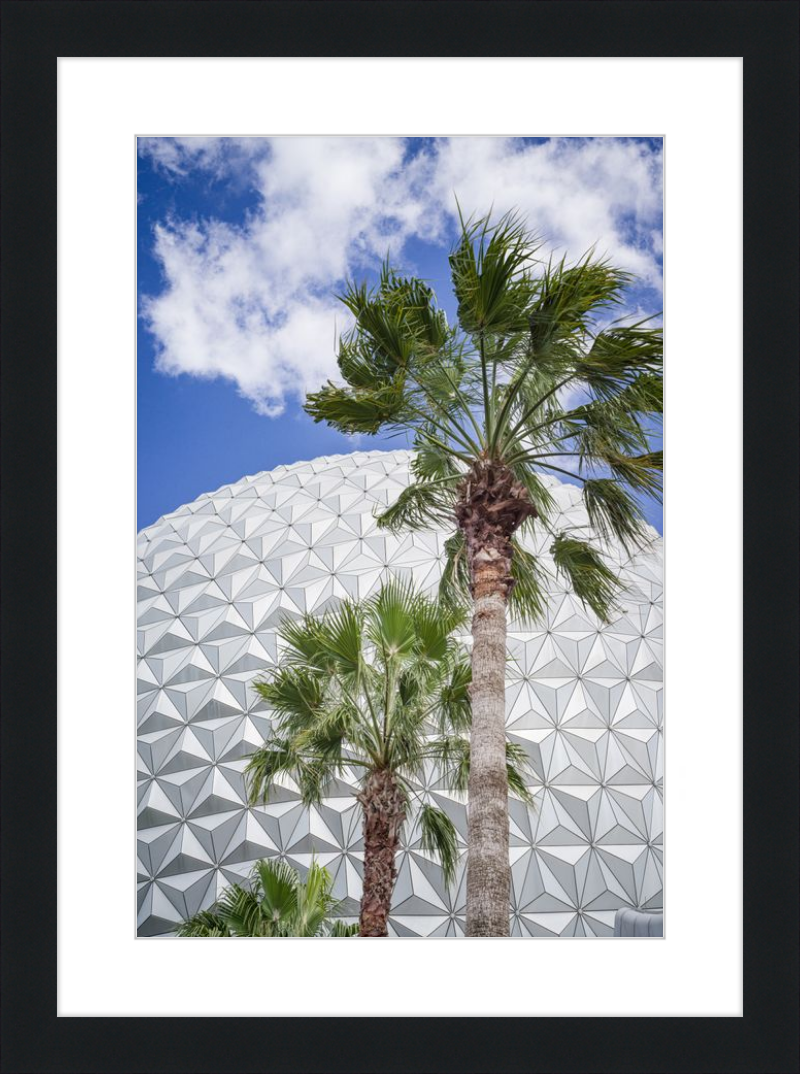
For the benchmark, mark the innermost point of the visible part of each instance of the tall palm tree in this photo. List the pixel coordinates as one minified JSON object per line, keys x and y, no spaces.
{"x":374,"y":691}
{"x":531,"y":376}
{"x":274,"y":903}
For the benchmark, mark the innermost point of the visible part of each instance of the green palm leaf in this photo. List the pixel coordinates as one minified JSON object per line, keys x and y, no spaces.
{"x":438,"y":836}
{"x":363,"y":410}
{"x":340,"y":638}
{"x":279,"y":884}
{"x":641,"y":472}
{"x":341,"y":928}
{"x":454,"y":585}
{"x":489,"y":269}
{"x":568,"y":301}
{"x":617,"y":358}
{"x":518,"y":769}
{"x":275,"y":758}
{"x":421,"y":504}
{"x":389,"y":619}
{"x":454,"y":710}
{"x":205,"y":923}
{"x":613,"y":512}
{"x":527,"y":601}
{"x":595,"y":584}
{"x":239,"y":908}
{"x":314,"y":902}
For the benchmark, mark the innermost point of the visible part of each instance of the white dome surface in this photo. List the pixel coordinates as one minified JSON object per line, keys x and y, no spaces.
{"x":215,"y":578}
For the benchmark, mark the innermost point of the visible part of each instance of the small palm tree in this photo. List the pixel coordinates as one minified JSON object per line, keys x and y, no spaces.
{"x":484,"y":403}
{"x":275,"y":903}
{"x":374,"y":692}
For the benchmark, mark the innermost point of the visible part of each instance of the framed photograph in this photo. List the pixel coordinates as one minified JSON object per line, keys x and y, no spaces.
{"x":272,"y":223}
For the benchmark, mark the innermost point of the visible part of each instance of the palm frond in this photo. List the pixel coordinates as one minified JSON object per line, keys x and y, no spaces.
{"x":438,"y":836}
{"x":454,"y":585}
{"x":399,"y":319}
{"x":424,"y":503}
{"x":239,"y":908}
{"x":405,"y":751}
{"x":314,"y":902}
{"x":313,"y":776}
{"x":489,"y":269}
{"x":278,"y":887}
{"x":431,"y":462}
{"x":532,"y":390}
{"x":567,"y":302}
{"x":275,"y":758}
{"x":295,"y":692}
{"x":618,"y":356}
{"x":451,"y":754}
{"x":380,"y":327}
{"x":206,"y":923}
{"x":593,"y":583}
{"x":389,"y":619}
{"x":340,"y":637}
{"x":326,"y":737}
{"x":358,"y":367}
{"x":604,"y":428}
{"x":434,"y":623}
{"x":362,"y":410}
{"x":341,"y":928}
{"x":614,"y":512}
{"x":302,"y":643}
{"x":518,"y":767}
{"x":416,"y":302}
{"x":640,"y":472}
{"x":643,"y":395}
{"x":454,"y":709}
{"x":527,"y":600}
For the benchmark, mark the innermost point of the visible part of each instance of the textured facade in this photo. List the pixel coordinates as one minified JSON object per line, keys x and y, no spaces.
{"x":215,"y":578}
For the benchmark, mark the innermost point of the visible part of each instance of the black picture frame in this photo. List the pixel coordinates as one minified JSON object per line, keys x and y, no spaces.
{"x":765,"y":34}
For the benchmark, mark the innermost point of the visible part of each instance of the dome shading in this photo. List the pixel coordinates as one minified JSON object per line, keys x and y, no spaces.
{"x":585,"y":700}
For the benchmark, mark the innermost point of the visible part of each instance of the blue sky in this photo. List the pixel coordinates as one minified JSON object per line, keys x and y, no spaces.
{"x":243,"y":243}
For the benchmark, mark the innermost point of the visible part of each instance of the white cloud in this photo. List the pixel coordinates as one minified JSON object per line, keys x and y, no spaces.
{"x":177,"y":157}
{"x":254,"y":303}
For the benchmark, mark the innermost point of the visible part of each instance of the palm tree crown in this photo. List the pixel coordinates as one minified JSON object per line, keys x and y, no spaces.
{"x":486,"y":403}
{"x":484,"y":400}
{"x":375,"y":691}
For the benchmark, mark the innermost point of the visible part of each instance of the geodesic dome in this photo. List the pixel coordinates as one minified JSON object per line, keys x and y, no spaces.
{"x":585,"y":700}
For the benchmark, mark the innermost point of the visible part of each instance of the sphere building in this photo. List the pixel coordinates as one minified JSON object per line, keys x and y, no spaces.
{"x":215,"y":578}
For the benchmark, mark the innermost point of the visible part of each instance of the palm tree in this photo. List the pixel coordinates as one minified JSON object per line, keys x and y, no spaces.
{"x":529,"y":378}
{"x":274,"y":903}
{"x":375,"y":691}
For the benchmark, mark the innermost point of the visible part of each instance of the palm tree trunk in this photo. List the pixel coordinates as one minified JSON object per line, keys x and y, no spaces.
{"x":492,"y":504}
{"x":384,"y":807}
{"x":488,"y":867}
